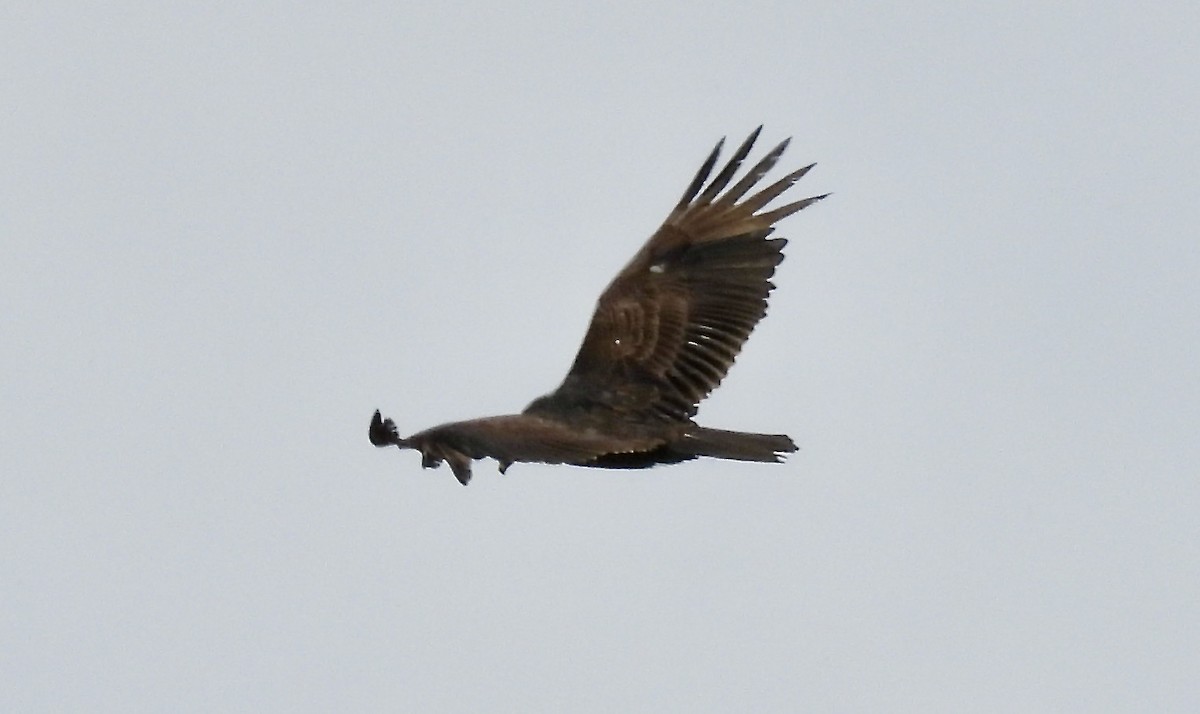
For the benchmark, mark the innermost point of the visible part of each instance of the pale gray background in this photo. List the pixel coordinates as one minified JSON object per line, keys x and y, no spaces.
{"x":230,"y":234}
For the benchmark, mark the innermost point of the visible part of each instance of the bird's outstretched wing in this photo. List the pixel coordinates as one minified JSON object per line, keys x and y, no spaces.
{"x":667,"y":329}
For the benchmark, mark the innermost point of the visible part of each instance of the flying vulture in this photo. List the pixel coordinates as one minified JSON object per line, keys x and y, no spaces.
{"x":665,"y":332}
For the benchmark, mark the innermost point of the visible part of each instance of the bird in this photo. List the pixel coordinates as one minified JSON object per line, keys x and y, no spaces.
{"x":664,"y":334}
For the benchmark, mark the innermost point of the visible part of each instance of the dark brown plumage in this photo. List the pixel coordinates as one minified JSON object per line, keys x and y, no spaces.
{"x":665,"y":332}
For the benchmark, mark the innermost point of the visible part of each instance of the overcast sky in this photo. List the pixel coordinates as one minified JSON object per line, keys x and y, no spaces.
{"x":230,"y":234}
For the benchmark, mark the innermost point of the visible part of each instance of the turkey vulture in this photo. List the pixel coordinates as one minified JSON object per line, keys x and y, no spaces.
{"x":665,"y":332}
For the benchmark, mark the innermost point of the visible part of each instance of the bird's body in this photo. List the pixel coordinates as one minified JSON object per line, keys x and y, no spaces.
{"x":664,"y":334}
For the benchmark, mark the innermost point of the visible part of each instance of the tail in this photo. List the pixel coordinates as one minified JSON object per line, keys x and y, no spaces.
{"x":735,"y":445}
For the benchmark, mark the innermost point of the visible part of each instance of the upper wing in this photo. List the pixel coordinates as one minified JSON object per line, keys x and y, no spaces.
{"x":667,"y":329}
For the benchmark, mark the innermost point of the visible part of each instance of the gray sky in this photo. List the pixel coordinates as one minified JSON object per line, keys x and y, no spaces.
{"x":229,"y":235}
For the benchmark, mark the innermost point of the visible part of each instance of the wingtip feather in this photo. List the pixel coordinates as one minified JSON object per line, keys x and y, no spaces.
{"x":701,"y":176}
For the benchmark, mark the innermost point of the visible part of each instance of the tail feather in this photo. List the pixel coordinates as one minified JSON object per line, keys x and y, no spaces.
{"x":735,"y":445}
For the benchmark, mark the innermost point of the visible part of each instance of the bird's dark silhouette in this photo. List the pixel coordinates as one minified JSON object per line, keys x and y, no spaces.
{"x":665,"y":332}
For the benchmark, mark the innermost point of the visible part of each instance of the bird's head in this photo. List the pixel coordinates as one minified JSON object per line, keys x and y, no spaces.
{"x":383,"y":433}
